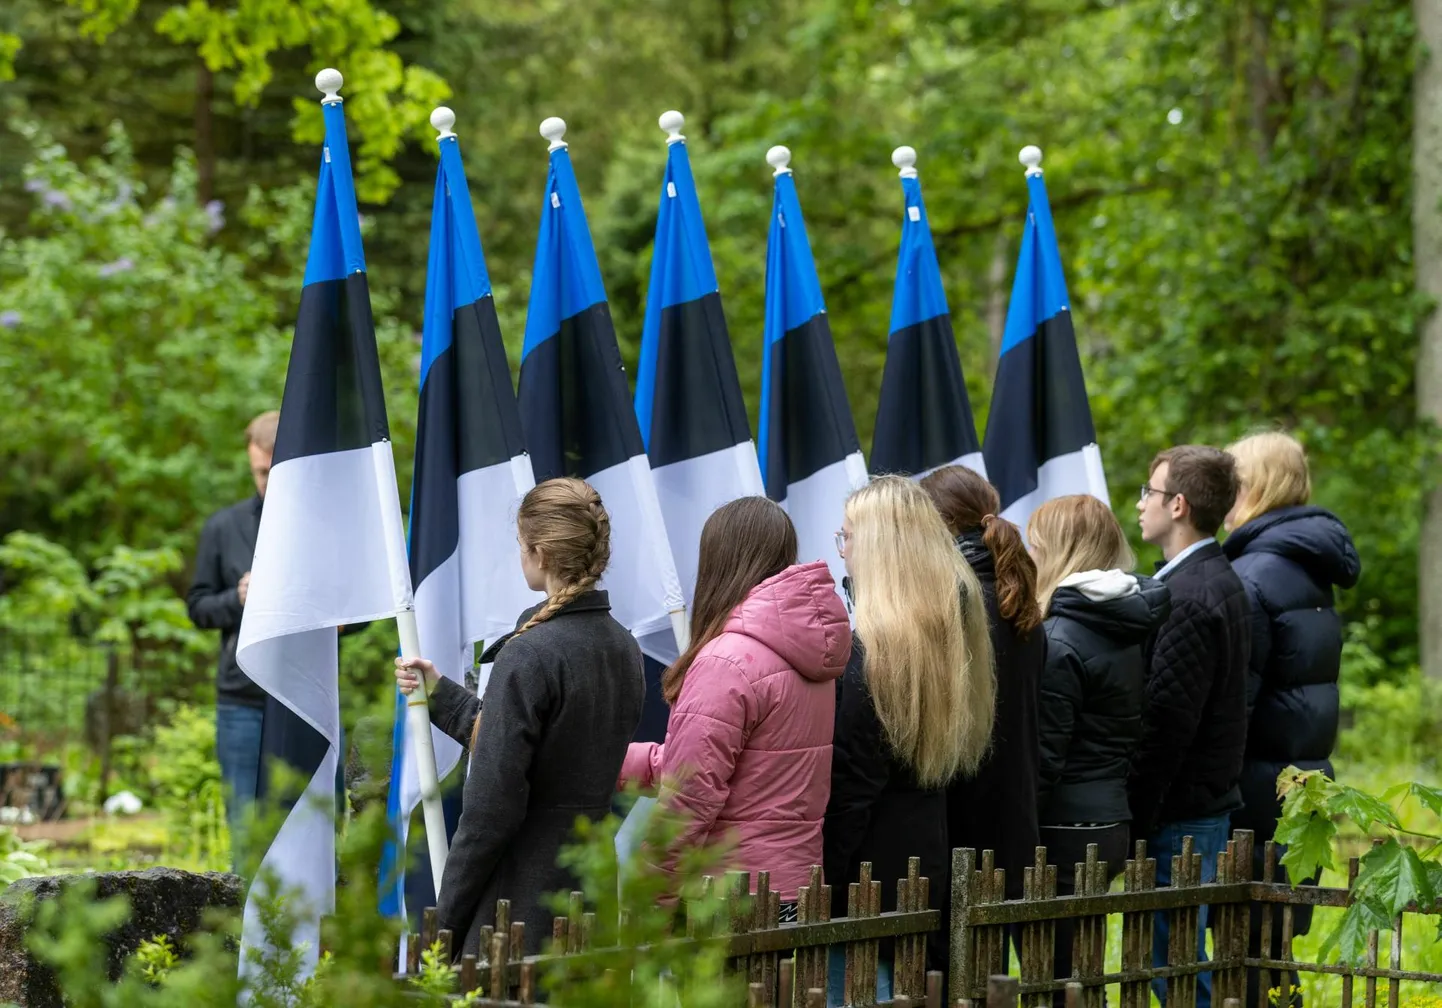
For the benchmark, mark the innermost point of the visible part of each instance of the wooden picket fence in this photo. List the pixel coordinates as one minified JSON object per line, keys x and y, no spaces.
{"x":785,"y":965}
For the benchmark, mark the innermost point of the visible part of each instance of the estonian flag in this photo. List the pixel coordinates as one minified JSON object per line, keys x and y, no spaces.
{"x":923,"y":418}
{"x":810,"y":456}
{"x":1040,"y":442}
{"x":331,"y":548}
{"x":688,"y":397}
{"x":576,"y":406}
{"x":471,"y":472}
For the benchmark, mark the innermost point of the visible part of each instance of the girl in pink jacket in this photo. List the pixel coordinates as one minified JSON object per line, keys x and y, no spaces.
{"x":747,"y":756}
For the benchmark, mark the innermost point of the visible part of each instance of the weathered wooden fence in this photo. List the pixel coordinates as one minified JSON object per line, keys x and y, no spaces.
{"x":785,"y":965}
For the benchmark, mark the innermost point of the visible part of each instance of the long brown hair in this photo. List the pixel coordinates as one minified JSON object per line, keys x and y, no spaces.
{"x":968,"y":502}
{"x":565,"y":522}
{"x":1073,"y":534}
{"x":922,"y":625}
{"x":742,"y":544}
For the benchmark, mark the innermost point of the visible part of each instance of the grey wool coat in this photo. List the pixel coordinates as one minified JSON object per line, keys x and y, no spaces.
{"x":561,"y":705}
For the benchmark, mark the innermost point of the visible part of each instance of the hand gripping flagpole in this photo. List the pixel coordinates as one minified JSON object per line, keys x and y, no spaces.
{"x":418,"y":716}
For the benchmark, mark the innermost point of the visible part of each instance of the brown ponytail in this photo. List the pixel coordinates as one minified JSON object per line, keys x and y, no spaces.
{"x":565,"y":521}
{"x":968,"y":502}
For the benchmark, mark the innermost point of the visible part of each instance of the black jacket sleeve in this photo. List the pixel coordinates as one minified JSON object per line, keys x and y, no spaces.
{"x":1183,"y":666}
{"x":1061,"y":700}
{"x":213,"y":605}
{"x":518,"y":702}
{"x":454,"y":709}
{"x":860,"y":771}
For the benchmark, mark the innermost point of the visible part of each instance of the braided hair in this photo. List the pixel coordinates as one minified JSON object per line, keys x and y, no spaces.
{"x":565,"y":522}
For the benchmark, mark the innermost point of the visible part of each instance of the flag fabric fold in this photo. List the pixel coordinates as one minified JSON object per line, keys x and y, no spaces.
{"x":576,"y":408}
{"x":1040,"y":441}
{"x":471,"y":471}
{"x":688,"y":397}
{"x":923,"y":416}
{"x":810,"y":456}
{"x":331,"y":548}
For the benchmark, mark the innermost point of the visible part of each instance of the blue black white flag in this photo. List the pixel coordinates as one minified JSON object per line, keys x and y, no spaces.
{"x":471,"y":471}
{"x":576,"y":407}
{"x":1040,"y":441}
{"x":688,"y":396}
{"x":331,"y":547}
{"x":809,"y":453}
{"x":923,"y":418}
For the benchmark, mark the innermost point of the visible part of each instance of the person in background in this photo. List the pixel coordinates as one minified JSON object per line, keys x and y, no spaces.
{"x":915,"y":705}
{"x":996,"y":807}
{"x":1290,"y":556}
{"x":216,"y":601}
{"x":747,"y":754}
{"x":1098,"y":619}
{"x":561,"y":704}
{"x":1185,"y":773}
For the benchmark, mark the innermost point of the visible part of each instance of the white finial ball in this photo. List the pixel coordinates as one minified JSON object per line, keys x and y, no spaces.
{"x":779,"y":157}
{"x":1030,"y":156}
{"x":553,"y":128}
{"x":905,"y":159}
{"x":328,"y":82}
{"x":671,"y":121}
{"x":442,"y":120}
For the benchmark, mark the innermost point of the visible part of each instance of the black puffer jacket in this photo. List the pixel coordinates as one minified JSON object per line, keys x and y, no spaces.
{"x":996,"y":808}
{"x":1289,"y":560}
{"x":1092,"y":694}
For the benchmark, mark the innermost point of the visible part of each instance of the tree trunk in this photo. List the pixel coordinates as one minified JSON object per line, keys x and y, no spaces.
{"x":204,"y":133}
{"x":1427,"y":254}
{"x":996,"y":292}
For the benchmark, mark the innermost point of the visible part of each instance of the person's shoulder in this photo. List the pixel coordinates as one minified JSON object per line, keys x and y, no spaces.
{"x":230,"y":514}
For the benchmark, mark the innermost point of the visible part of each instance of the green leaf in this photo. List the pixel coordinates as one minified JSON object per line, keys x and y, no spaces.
{"x":1309,"y":843}
{"x":1349,"y":938}
{"x":1363,"y":809}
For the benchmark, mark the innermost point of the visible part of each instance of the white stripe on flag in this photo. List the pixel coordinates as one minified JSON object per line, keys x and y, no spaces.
{"x":322,"y":560}
{"x":642,"y":576}
{"x":1078,"y":472}
{"x":817,"y":506}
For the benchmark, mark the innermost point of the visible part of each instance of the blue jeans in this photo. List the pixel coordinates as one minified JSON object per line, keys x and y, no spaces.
{"x":836,"y":977}
{"x":1209,"y":836}
{"x":237,"y":747}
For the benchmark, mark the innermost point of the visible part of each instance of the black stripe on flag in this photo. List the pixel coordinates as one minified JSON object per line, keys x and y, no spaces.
{"x":575,"y":404}
{"x":924,"y":416}
{"x":468,"y":421}
{"x":1039,"y":409}
{"x":698,"y":407}
{"x":808,"y":406}
{"x":333,"y":396}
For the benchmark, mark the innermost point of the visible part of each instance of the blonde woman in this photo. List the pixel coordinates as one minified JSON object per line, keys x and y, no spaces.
{"x":1098,"y":617}
{"x":1290,"y":556}
{"x":915,"y":703}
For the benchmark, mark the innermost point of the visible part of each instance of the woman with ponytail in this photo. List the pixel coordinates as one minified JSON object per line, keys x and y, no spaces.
{"x":548,"y":737}
{"x":995,"y":808}
{"x":747,"y":755}
{"x":915,"y":706}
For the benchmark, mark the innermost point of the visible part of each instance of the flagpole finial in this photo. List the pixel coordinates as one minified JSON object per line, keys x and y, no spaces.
{"x":779,"y":157}
{"x":328,"y":82}
{"x":1030,"y":156}
{"x":905,"y":159}
{"x":553,"y":129}
{"x":672,"y":122}
{"x":442,"y":119}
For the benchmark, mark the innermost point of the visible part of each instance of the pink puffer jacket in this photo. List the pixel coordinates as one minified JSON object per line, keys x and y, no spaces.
{"x":749,"y":738}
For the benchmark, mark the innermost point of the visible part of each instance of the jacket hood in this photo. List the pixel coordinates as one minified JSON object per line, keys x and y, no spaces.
{"x":1311,"y":537}
{"x":798,"y":615}
{"x":1123,"y":607}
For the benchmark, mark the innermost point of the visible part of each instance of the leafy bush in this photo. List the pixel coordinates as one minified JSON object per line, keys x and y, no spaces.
{"x":19,"y":858}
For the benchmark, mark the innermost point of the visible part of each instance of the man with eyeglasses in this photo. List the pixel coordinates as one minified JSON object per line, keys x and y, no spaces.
{"x":1185,"y":774}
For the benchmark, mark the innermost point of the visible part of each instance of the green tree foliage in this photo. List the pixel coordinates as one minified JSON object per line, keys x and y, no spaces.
{"x":1230,"y":180}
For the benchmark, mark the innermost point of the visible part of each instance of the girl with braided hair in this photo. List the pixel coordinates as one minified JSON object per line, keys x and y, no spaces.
{"x":562,"y":702}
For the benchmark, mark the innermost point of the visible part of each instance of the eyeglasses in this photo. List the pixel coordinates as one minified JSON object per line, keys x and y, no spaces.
{"x":1148,"y":490}
{"x":842,"y":538}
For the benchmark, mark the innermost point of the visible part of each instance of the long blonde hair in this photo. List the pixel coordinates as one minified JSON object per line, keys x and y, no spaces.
{"x":1073,"y":534}
{"x":922,"y":622}
{"x":565,"y":521}
{"x":1271,"y":473}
